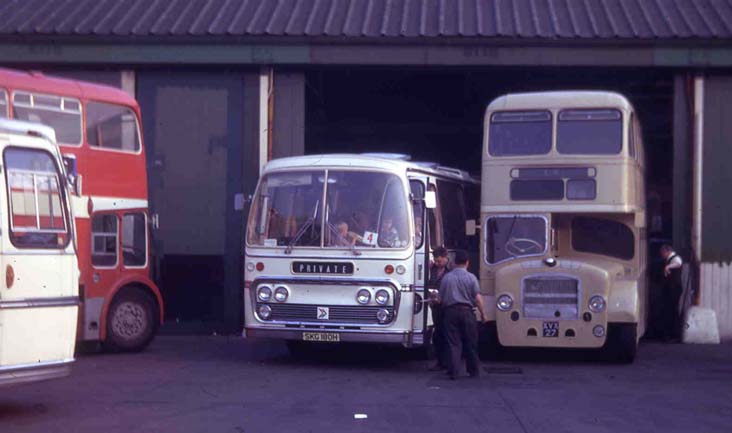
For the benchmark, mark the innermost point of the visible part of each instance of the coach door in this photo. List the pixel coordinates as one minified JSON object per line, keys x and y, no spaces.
{"x":417,"y":186}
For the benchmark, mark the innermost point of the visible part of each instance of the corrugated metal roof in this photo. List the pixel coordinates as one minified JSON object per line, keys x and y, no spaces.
{"x":542,"y":19}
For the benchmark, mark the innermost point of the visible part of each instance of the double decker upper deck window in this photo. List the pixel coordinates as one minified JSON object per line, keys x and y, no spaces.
{"x":590,"y":132}
{"x":514,"y":133}
{"x":112,"y":126}
{"x":62,"y":114}
{"x":37,"y":211}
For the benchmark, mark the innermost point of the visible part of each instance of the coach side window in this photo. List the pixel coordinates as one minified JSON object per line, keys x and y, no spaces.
{"x":434,"y":221}
{"x":452,"y":203}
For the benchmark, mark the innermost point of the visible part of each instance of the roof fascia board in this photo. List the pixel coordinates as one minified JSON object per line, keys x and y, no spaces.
{"x":365,"y":54}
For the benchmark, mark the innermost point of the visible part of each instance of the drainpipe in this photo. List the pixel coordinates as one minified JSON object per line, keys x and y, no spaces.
{"x":698,"y":144}
{"x":266,"y":114}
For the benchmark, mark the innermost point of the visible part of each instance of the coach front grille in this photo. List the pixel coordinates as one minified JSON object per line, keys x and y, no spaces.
{"x":345,"y":314}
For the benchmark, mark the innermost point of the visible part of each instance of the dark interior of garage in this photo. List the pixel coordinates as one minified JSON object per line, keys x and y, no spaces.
{"x":437,"y":114}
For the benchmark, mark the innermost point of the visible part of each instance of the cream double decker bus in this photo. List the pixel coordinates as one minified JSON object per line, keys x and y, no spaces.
{"x":39,"y":296}
{"x":338,"y":247}
{"x":563,"y":221}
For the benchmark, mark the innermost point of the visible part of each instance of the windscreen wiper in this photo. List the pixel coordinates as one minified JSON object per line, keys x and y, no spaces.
{"x":302,"y":229}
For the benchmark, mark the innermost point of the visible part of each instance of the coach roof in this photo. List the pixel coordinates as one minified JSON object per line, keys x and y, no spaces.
{"x":348,"y":160}
{"x":559,"y":100}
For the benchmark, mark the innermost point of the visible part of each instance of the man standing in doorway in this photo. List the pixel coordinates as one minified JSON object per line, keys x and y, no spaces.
{"x":672,"y":290}
{"x":459,"y":294}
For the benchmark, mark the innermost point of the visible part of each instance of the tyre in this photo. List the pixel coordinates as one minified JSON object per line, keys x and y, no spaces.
{"x":622,"y":342}
{"x":131,"y":321}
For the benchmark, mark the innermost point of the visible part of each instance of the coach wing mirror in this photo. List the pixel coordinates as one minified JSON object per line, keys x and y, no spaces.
{"x":73,"y":179}
{"x":430,"y":200}
{"x":471,"y":228}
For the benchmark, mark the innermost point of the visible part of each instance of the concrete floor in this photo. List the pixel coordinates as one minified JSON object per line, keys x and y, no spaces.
{"x":220,"y":384}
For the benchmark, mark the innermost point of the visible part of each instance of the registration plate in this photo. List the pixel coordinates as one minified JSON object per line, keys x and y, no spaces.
{"x":328,"y":337}
{"x":551,"y":329}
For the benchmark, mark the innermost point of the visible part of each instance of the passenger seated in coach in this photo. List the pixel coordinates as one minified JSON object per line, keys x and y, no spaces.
{"x":360,"y":222}
{"x":388,"y":235}
{"x":417,"y":231}
{"x":342,"y":237}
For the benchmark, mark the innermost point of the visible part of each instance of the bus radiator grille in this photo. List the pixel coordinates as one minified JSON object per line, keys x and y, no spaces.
{"x":550,"y":297}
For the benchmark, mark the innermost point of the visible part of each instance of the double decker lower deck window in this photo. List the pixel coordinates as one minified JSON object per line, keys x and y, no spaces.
{"x":603,"y":236}
{"x":513,"y":236}
{"x":38,"y":216}
{"x":104,"y":240}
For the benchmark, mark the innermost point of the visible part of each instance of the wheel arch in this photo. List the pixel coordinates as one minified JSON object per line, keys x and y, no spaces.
{"x":144,"y":284}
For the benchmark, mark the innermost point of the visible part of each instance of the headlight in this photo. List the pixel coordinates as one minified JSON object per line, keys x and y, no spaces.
{"x":400,"y":269}
{"x":597,"y":304}
{"x":281,"y":294}
{"x":363,"y":296}
{"x":382,"y":297}
{"x":264,"y":293}
{"x":382,"y":315}
{"x":265,"y":311}
{"x":504,"y":302}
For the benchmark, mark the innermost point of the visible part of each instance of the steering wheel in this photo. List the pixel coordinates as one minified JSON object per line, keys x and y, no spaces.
{"x":522,"y":246}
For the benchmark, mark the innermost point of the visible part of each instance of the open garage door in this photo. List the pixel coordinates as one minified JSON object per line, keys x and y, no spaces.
{"x":437,"y":115}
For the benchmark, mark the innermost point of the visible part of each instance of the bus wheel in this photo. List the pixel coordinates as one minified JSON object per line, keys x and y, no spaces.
{"x":131,"y":321}
{"x":622,"y":342}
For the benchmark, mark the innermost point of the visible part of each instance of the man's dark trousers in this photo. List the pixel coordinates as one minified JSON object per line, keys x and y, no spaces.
{"x":671,"y":296}
{"x":462,"y":338}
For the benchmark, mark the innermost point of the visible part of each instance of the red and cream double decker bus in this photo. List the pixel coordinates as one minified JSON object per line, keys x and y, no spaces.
{"x":98,"y":130}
